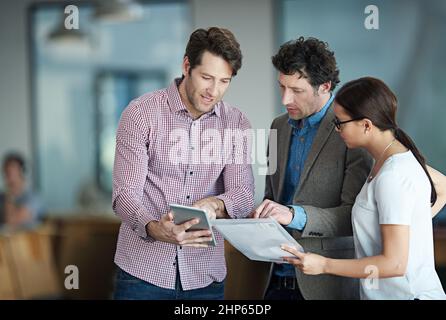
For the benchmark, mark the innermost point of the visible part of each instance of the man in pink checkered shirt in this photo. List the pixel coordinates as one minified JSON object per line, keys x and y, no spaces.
{"x":172,"y":146}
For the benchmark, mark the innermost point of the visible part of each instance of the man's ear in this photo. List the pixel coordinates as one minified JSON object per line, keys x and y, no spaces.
{"x":186,"y":66}
{"x":325,"y":87}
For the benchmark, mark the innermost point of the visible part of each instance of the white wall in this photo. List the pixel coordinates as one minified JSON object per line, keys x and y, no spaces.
{"x":253,"y":89}
{"x":15,"y":117}
{"x":15,"y":109}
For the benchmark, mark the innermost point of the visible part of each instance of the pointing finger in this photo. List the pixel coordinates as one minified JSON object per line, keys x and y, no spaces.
{"x":267,"y":210}
{"x":259,"y":209}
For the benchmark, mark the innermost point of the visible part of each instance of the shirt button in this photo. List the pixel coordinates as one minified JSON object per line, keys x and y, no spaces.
{"x":188,"y":197}
{"x":302,"y":139}
{"x":191,"y":172}
{"x":192,"y":148}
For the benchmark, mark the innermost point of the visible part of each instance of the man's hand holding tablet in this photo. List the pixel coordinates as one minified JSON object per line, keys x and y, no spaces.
{"x":184,"y":214}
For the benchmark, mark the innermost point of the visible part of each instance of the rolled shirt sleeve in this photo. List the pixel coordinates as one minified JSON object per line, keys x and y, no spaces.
{"x":238,"y":176}
{"x":130,"y":171}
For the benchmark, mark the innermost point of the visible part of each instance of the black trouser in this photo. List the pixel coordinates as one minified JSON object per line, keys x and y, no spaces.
{"x":283,"y":288}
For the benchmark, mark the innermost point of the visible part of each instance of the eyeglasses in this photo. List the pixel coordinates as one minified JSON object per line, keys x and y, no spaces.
{"x":338,"y":123}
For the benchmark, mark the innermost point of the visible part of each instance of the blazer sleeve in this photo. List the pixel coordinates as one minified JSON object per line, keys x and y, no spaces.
{"x":336,"y":221}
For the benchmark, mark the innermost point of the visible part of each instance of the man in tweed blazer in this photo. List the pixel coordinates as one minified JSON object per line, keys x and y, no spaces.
{"x":313,"y":189}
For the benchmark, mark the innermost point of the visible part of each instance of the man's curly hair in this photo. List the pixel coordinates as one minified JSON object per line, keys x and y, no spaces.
{"x":311,"y":58}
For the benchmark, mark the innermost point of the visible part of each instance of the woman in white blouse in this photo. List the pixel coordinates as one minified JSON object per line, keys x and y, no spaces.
{"x":392,"y":215}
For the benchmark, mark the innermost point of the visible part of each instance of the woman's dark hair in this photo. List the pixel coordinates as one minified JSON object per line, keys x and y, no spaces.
{"x":311,"y":58}
{"x":218,"y":41}
{"x":372,"y":99}
{"x":14,"y":157}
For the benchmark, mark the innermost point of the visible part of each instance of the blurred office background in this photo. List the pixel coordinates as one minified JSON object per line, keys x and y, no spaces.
{"x":62,"y":91}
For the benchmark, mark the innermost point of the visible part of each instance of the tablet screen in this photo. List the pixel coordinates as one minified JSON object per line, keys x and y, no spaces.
{"x":185,"y":213}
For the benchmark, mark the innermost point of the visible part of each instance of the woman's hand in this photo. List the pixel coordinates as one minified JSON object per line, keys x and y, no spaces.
{"x":308,"y":263}
{"x":439,"y":181}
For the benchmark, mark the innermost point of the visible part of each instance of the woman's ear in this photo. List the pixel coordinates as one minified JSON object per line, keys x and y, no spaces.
{"x":368,"y":126}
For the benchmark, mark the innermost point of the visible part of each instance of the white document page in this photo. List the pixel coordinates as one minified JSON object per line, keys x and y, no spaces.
{"x":257,"y":239}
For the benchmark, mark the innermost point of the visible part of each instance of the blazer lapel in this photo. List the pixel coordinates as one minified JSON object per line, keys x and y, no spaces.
{"x":324,"y":131}
{"x":282,"y":155}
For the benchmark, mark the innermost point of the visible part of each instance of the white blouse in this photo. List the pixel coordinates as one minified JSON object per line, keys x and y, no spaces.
{"x":399,"y":194}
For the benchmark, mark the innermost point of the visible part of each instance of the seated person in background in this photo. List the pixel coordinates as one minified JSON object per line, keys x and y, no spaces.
{"x":19,"y":206}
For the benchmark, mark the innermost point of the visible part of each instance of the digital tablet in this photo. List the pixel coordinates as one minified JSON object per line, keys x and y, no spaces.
{"x":184,"y":213}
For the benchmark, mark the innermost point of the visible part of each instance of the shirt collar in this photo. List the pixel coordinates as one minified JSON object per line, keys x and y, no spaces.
{"x":177,"y":105}
{"x":314,"y":119}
